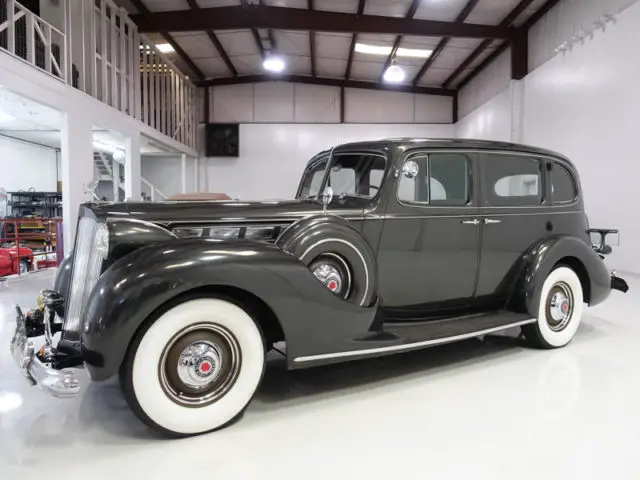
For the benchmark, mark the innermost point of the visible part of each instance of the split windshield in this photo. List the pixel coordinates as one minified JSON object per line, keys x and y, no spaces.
{"x":350,"y":174}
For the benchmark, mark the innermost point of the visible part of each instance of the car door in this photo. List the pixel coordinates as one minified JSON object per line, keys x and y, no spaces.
{"x":514,"y":212}
{"x":428,"y":250}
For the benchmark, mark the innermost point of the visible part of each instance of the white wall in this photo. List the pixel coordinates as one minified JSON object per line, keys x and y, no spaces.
{"x":24,"y":166}
{"x":582,"y":102}
{"x":277,"y":102}
{"x":273,"y":156}
{"x":585,"y":104}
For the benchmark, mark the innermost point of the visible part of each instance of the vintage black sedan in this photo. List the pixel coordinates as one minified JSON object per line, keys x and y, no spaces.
{"x":389,"y":246}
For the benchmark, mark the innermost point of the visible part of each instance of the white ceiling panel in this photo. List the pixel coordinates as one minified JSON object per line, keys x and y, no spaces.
{"x":197,"y":45}
{"x":287,"y":3}
{"x":212,"y":67}
{"x":443,"y":10}
{"x":451,"y":57}
{"x":377,"y":60}
{"x":365,"y":70}
{"x":296,"y":65}
{"x":410,"y":41}
{"x":387,"y":8}
{"x":533,"y":8}
{"x":215,"y":3}
{"x":435,"y":77}
{"x":331,"y":67}
{"x":292,"y":42}
{"x":350,"y":6}
{"x":334,"y":45}
{"x":491,"y":12}
{"x":468,"y":43}
{"x":247,"y":64}
{"x":238,"y":42}
{"x":376,"y":39}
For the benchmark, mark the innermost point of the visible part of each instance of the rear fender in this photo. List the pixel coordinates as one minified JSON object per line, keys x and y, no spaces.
{"x":541,"y":260}
{"x":313,"y":319}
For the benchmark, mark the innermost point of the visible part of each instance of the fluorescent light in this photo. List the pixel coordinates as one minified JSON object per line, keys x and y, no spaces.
{"x":164,"y":47}
{"x":401,"y":52}
{"x":273,"y":64}
{"x":394,"y":74}
{"x":372,"y":49}
{"x":414,"y":52}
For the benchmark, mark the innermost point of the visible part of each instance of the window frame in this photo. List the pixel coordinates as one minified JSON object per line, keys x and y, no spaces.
{"x":486,"y":189}
{"x":556,"y":164}
{"x":468,"y":155}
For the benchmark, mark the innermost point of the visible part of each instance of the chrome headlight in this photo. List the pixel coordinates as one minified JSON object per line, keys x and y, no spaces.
{"x":91,"y":249}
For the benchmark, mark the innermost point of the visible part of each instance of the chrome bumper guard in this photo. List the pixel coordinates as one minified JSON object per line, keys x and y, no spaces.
{"x":59,"y":383}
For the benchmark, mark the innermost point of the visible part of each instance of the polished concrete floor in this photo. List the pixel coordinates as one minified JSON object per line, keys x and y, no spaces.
{"x":478,"y":409}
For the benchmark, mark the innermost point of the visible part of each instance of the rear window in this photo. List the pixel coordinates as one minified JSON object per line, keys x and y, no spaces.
{"x":512,"y":180}
{"x":563,"y":187}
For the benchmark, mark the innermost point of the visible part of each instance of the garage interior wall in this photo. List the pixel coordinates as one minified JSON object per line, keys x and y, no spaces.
{"x":282,"y":125}
{"x":582,"y":102}
{"x":25,"y":165}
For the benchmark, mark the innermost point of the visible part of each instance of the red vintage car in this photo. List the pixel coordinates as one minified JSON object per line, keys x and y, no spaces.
{"x":13,"y":261}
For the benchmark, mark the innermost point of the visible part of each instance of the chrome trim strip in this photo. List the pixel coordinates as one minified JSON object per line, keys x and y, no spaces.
{"x":394,"y":216}
{"x":408,"y":346}
{"x":366,"y":270}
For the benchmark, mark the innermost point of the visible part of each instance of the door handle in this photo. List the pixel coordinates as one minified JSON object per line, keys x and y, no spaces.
{"x":475,"y":221}
{"x":491,"y":221}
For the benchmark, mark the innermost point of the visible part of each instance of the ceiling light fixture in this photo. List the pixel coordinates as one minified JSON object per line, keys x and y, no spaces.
{"x":165,"y":47}
{"x":394,"y":74}
{"x":273,"y":63}
{"x":401,"y":52}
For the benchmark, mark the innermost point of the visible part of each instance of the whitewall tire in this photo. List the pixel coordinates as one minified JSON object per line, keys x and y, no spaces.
{"x":195,"y":368}
{"x":560,"y":311}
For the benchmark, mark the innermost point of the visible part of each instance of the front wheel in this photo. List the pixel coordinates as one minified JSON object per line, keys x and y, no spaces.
{"x":195,"y":369}
{"x":560,"y":311}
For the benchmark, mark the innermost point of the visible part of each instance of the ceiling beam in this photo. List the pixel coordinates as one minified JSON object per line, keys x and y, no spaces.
{"x":506,"y":23}
{"x":331,"y":82}
{"x":259,"y":16}
{"x":193,"y":4}
{"x":254,"y":32}
{"x":462,"y":16}
{"x":312,"y":42}
{"x":354,"y":40}
{"x":396,"y":44}
{"x":142,"y":8}
{"x":502,"y":48}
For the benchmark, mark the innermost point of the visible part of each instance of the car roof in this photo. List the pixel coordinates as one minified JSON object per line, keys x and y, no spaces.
{"x":457,"y":143}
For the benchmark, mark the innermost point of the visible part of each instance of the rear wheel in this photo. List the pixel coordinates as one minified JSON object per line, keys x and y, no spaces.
{"x":560,"y":311}
{"x":195,"y":369}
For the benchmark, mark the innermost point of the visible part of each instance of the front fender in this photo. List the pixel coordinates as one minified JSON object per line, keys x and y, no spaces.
{"x":130,"y":290}
{"x":541,"y":260}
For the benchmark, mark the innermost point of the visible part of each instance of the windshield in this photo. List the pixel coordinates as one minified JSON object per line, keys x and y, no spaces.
{"x":351,"y":174}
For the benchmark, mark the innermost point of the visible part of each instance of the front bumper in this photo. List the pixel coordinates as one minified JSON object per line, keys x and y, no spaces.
{"x":59,"y":383}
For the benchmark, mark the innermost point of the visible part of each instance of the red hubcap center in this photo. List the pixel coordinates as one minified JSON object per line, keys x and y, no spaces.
{"x":565,"y":307}
{"x":205,"y":367}
{"x":332,"y":285}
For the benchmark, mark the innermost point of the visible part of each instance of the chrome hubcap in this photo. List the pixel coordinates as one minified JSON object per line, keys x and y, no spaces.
{"x":199,"y":364}
{"x":329,"y":276}
{"x":559,"y":307}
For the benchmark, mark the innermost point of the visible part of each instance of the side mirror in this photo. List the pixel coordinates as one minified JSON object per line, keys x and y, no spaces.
{"x":410,"y":169}
{"x":327,"y":196}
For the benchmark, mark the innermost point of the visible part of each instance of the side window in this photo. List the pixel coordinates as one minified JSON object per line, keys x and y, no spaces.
{"x":563,"y":187}
{"x":443,"y":179}
{"x":512,"y":180}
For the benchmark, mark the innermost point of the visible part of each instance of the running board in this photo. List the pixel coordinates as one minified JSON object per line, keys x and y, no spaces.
{"x":412,"y":345}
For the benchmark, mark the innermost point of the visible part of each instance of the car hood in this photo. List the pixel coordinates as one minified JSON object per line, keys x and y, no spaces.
{"x":176,"y":212}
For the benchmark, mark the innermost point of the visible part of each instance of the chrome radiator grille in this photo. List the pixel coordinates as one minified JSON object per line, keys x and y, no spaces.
{"x":87,"y":263}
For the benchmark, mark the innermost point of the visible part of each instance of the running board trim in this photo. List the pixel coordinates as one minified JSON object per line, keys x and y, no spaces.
{"x":409,"y":346}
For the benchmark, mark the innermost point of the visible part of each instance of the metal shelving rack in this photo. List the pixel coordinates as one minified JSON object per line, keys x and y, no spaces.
{"x":40,"y":204}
